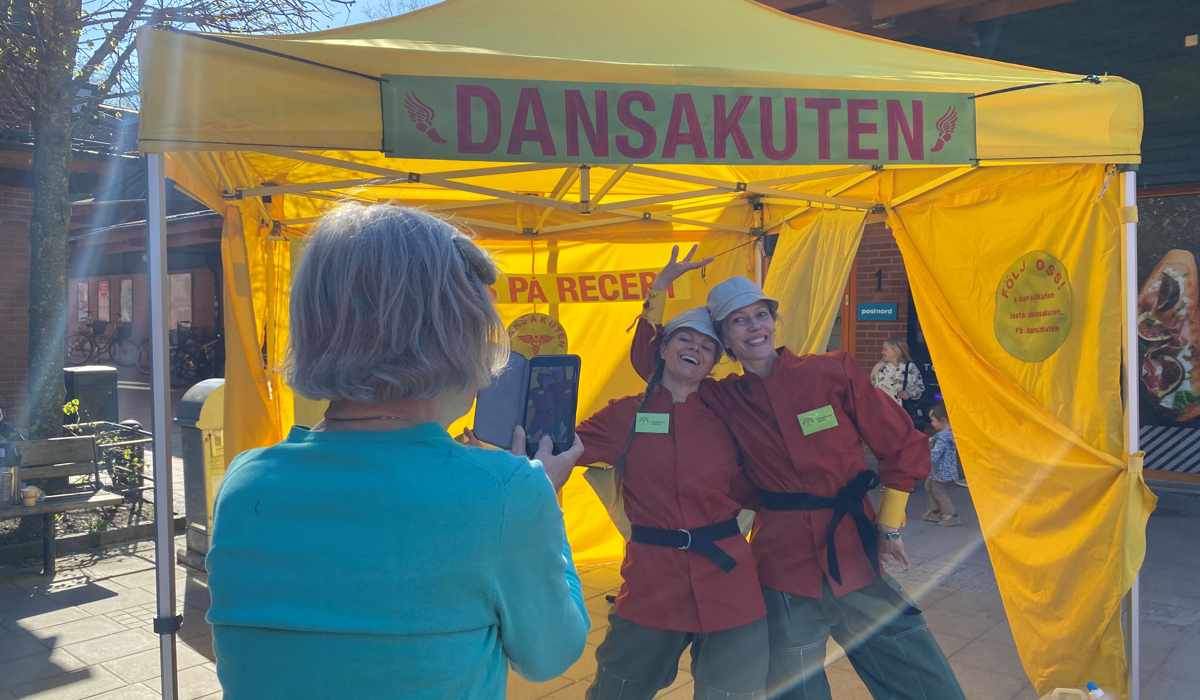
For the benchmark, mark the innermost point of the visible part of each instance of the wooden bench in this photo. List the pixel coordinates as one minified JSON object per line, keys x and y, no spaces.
{"x":33,"y":460}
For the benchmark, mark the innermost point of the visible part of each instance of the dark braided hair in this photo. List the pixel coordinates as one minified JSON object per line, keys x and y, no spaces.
{"x":651,"y":386}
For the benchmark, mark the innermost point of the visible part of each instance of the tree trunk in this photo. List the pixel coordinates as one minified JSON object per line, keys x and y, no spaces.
{"x":48,"y":228}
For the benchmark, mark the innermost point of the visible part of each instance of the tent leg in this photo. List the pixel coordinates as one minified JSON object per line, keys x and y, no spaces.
{"x":166,"y":623}
{"x":1132,"y":414}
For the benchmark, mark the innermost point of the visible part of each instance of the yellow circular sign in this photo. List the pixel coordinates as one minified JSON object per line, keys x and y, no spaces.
{"x":537,"y":334}
{"x":1033,"y":307}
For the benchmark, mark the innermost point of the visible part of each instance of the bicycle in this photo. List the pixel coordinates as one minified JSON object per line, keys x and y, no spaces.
{"x":93,"y":339}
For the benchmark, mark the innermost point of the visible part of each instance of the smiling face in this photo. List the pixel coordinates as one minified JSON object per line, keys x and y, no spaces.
{"x":750,"y":332}
{"x":689,"y":355}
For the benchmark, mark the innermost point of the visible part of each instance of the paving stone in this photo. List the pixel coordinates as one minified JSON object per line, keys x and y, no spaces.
{"x":137,"y":579}
{"x":83,"y":590}
{"x":73,"y":685}
{"x":194,"y":624}
{"x":197,"y":682}
{"x":114,"y":646}
{"x":585,"y":667}
{"x":145,"y":665}
{"x":8,"y":590}
{"x":77,"y":631}
{"x":202,"y":645}
{"x":123,"y":600}
{"x":981,"y":684}
{"x":113,"y":566}
{"x":603,"y":578}
{"x":949,"y":643}
{"x":976,"y":604}
{"x":521,"y":689}
{"x":35,"y":667}
{"x":129,"y":692}
{"x":39,"y":613}
{"x":946,"y":621}
{"x":574,"y":691}
{"x":598,"y":605}
{"x":15,"y":645}
{"x":991,"y":655}
{"x":1027,"y":693}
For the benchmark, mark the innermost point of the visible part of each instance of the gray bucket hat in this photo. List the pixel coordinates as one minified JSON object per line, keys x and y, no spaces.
{"x":733,"y":294}
{"x":697,"y":319}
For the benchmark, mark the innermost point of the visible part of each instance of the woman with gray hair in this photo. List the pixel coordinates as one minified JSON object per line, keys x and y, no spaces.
{"x":372,"y":556}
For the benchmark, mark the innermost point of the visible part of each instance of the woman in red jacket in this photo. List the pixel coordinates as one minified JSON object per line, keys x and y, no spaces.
{"x":800,"y":423}
{"x":689,"y":575}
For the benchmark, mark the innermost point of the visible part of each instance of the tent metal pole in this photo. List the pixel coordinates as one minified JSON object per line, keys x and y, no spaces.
{"x":166,"y":622}
{"x":1133,"y":411}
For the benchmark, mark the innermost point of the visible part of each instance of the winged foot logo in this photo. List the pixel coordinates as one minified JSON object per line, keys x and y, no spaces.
{"x":945,"y":127}
{"x":422,"y":114}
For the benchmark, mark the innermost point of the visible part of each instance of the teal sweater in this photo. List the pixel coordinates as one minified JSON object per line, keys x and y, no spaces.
{"x":392,"y":564}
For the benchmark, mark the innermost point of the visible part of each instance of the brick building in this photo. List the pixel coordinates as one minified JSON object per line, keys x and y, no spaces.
{"x":107,"y":243}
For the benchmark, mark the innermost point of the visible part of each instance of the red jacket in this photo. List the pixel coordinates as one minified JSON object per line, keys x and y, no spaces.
{"x":682,"y":479}
{"x":763,"y":414}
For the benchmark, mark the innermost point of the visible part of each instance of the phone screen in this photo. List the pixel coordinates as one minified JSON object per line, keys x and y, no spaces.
{"x":550,"y":409}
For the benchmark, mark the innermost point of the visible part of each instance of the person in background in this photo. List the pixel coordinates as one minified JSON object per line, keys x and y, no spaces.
{"x":372,"y":556}
{"x":944,"y":470}
{"x":688,"y":573}
{"x":817,"y":539}
{"x":896,"y":374}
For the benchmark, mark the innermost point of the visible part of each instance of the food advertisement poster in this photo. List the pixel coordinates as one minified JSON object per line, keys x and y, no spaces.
{"x":1168,"y":332}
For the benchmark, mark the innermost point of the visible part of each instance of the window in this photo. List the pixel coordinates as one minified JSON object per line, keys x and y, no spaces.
{"x":103,"y":311}
{"x":126,"y":301}
{"x":81,"y":295}
{"x":181,"y":298}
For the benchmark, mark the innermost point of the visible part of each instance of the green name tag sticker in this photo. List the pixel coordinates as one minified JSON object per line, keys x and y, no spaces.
{"x":653,"y":423}
{"x":817,"y":420}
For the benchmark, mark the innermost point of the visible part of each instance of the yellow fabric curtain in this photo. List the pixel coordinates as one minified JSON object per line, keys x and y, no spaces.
{"x":1062,"y":506}
{"x":808,"y":276}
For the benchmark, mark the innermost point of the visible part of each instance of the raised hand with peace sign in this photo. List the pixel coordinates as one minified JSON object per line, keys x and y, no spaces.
{"x":676,"y":268}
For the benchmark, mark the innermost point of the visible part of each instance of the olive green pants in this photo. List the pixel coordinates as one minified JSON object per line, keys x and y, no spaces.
{"x":894,"y":653}
{"x":635,"y":662}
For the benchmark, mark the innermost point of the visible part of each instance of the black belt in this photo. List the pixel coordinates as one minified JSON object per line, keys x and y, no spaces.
{"x":848,"y":501}
{"x":702,"y":540}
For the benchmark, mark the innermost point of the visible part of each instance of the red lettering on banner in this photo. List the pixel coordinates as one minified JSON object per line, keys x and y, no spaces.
{"x":516,"y":285}
{"x":726,"y":126}
{"x":466,"y":142}
{"x":577,"y":113}
{"x":535,"y":292}
{"x":629,"y":290}
{"x":530,"y":101}
{"x":683,"y":107}
{"x":856,"y":128}
{"x":914,"y":138}
{"x":587,"y":288}
{"x":647,"y":279}
{"x":823,"y":105}
{"x":566,"y":286}
{"x":767,"y":128}
{"x":604,"y":293}
{"x":639,"y":125}
{"x":493,"y":293}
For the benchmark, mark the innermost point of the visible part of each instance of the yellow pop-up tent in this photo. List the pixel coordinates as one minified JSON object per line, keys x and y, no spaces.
{"x":581,"y":140}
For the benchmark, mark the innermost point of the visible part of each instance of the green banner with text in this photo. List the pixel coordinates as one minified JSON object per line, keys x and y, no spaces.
{"x":561,"y":122}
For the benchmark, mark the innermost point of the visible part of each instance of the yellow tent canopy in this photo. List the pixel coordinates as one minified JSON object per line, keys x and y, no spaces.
{"x":580,"y":140}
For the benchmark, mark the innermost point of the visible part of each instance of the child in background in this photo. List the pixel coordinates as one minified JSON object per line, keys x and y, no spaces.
{"x":944,"y":458}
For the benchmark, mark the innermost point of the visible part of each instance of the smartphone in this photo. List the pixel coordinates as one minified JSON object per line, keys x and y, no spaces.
{"x":552,"y":398}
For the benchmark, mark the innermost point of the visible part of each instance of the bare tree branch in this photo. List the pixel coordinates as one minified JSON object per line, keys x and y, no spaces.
{"x":18,"y":93}
{"x":116,"y":36}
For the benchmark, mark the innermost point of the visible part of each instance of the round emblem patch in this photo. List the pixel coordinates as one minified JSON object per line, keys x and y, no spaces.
{"x":537,"y":334}
{"x":1033,"y":307}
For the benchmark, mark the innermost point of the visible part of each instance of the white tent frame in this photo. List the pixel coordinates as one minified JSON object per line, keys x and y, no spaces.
{"x":748,"y":194}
